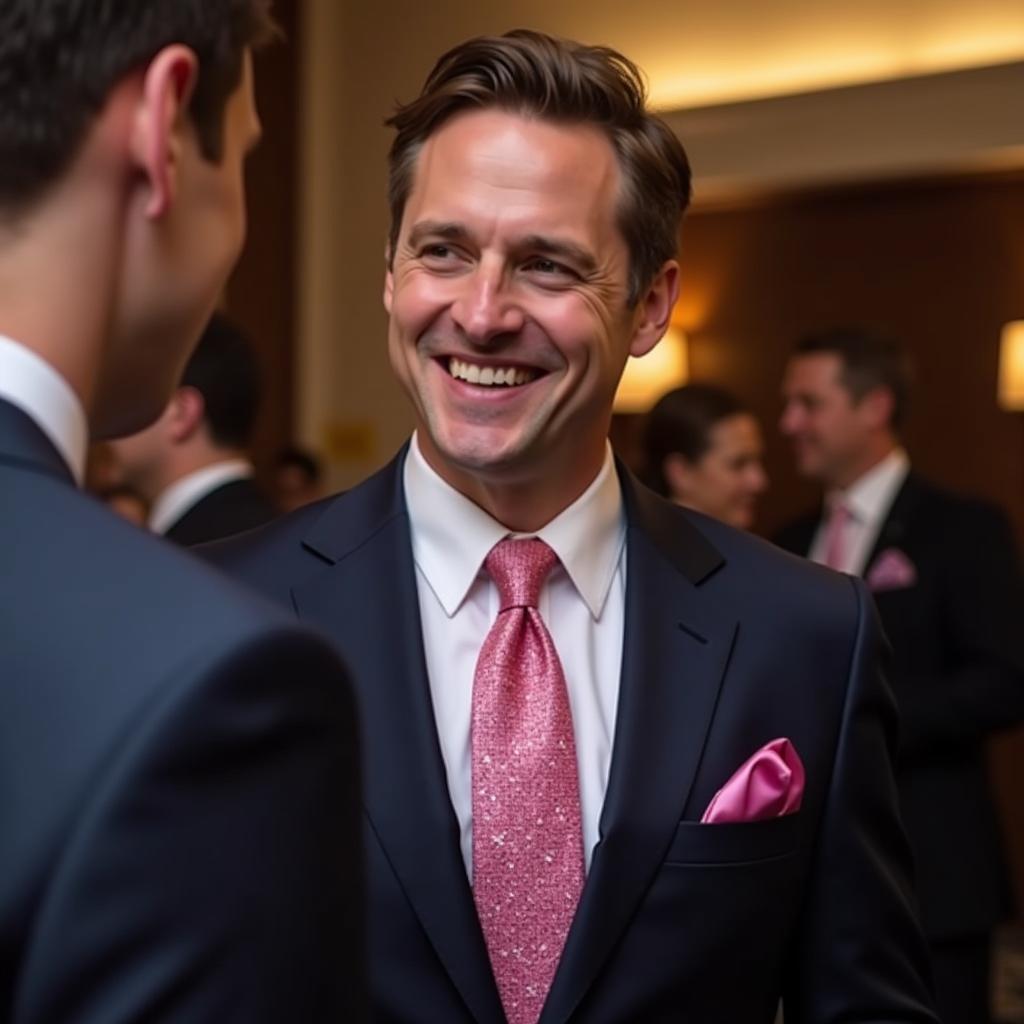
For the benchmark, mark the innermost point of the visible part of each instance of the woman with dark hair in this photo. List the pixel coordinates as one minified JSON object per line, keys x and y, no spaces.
{"x":704,"y":450}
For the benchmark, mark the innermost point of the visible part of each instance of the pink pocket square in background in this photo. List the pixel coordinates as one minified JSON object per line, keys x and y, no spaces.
{"x":891,"y":570}
{"x":768,"y":785}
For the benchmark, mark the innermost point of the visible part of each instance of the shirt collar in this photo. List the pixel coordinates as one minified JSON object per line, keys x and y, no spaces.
{"x":451,"y":535}
{"x":35,"y":387}
{"x":189,"y":490}
{"x":870,"y":498}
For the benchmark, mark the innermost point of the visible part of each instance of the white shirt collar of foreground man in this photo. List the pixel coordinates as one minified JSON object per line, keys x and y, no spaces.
{"x":451,"y":535}
{"x":35,"y":387}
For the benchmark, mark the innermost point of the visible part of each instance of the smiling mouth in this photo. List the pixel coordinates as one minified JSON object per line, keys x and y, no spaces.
{"x":489,"y":376}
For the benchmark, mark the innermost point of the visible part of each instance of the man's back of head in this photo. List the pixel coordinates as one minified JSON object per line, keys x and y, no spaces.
{"x":123,"y":132}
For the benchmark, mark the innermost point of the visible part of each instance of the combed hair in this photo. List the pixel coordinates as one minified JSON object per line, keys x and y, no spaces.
{"x":537,"y":75}
{"x":60,"y":59}
{"x":681,"y":423}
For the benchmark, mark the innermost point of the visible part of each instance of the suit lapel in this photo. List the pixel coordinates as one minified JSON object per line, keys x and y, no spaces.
{"x":367,"y":600}
{"x":674,"y":657}
{"x":894,"y":529}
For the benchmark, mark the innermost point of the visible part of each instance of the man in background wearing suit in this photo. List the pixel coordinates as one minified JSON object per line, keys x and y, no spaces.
{"x":947,"y":582}
{"x":192,"y":464}
{"x":178,"y":763}
{"x":558,"y":670}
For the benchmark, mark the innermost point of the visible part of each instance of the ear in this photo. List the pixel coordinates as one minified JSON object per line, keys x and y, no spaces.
{"x":161,"y":123}
{"x":389,"y":280}
{"x":877,"y":405}
{"x":655,"y":309}
{"x":185,"y":414}
{"x":677,"y":470}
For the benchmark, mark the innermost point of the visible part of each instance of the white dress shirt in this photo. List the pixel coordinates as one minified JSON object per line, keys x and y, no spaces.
{"x":174,"y":502}
{"x":868,"y":502}
{"x":582,"y":603}
{"x":40,"y":392}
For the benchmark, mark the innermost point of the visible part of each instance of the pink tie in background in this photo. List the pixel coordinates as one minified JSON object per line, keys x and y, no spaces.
{"x":835,"y":540}
{"x":527,"y":833}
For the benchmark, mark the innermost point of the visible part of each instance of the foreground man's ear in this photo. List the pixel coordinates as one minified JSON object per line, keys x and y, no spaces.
{"x":158,"y":132}
{"x":655,"y":309}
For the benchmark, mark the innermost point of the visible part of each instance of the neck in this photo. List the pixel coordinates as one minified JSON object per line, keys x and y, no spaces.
{"x":57,"y":284}
{"x":523,"y":503}
{"x":865,"y":461}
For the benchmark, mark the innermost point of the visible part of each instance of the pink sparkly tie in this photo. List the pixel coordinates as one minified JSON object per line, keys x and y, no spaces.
{"x":527,"y":835}
{"x":835,"y":541}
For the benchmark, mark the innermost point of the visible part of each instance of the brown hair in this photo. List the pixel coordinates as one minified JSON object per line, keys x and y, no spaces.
{"x":529,"y":73}
{"x":59,"y":60}
{"x":681,"y":422}
{"x":870,"y":359}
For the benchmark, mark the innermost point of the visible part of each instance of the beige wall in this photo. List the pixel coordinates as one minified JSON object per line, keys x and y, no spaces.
{"x":358,"y":59}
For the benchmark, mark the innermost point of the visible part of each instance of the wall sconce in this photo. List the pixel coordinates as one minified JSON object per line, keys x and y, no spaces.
{"x":1011,"y":367}
{"x":648,"y":377}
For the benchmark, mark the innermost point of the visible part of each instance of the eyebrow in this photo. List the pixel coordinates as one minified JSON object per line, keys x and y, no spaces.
{"x":560,"y":248}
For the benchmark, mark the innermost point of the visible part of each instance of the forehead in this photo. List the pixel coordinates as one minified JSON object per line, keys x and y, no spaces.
{"x":502,"y":169}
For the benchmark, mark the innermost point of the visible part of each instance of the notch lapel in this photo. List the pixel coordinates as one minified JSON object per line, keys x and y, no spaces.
{"x":367,"y":601}
{"x":894,"y":528}
{"x":675,"y":653}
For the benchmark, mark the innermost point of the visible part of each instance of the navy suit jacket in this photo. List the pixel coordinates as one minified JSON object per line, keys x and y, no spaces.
{"x":958,"y":675}
{"x":179,"y":799}
{"x":729,"y":643}
{"x":232,"y":508}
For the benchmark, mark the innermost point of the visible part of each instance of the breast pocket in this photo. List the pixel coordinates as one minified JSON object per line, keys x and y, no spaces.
{"x":744,"y":842}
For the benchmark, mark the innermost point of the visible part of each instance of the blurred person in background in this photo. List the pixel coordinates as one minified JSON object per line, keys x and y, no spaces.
{"x":704,"y":450}
{"x":297,"y":479}
{"x":128,"y":504}
{"x":192,"y":465}
{"x":180,"y":784}
{"x":947,"y":583}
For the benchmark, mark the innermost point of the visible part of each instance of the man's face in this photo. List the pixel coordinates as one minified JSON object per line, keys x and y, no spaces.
{"x":827,"y":427}
{"x":174,"y":272}
{"x":508,"y":299}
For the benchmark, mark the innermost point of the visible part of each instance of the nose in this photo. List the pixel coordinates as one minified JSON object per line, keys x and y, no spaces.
{"x":757,"y":479}
{"x":485,"y":307}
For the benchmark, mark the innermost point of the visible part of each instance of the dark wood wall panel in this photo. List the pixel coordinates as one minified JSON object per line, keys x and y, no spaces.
{"x":261,"y":295}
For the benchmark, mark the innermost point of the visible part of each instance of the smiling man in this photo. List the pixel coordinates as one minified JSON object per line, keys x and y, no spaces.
{"x":572,"y":691}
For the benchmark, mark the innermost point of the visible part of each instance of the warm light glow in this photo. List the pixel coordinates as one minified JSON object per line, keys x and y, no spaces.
{"x":646,"y":379}
{"x":825,"y":62}
{"x":1011,"y":367}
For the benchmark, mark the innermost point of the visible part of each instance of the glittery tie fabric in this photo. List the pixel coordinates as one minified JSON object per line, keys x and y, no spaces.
{"x":835,"y":540}
{"x":527,"y":835}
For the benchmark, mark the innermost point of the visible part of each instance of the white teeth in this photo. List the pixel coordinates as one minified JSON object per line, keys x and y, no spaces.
{"x":489,"y":376}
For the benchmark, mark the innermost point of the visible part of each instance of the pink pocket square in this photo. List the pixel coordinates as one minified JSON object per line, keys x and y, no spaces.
{"x":768,"y":785}
{"x":891,"y":570}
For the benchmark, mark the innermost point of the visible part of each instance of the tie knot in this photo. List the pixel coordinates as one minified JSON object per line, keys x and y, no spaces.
{"x":519,"y":568}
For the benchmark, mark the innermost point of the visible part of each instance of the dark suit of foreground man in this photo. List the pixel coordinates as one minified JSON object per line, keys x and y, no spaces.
{"x":535,"y":215}
{"x":179,"y":768}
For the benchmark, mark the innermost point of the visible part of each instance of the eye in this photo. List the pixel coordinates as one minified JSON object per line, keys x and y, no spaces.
{"x":439,"y":256}
{"x":549,"y":271}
